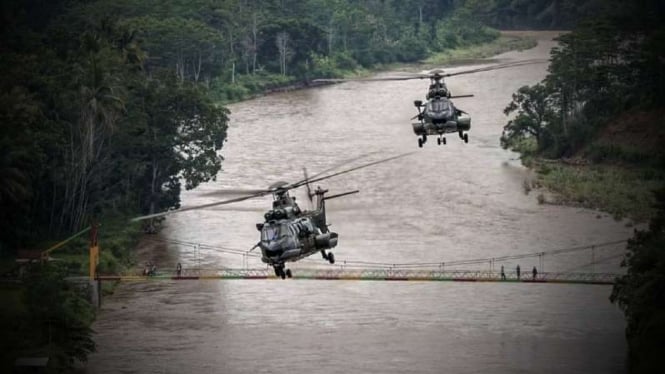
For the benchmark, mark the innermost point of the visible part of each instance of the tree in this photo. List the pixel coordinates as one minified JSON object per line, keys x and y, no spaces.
{"x":534,"y":119}
{"x":62,"y":315}
{"x":173,"y":133}
{"x":285,"y":52}
{"x":641,"y":294}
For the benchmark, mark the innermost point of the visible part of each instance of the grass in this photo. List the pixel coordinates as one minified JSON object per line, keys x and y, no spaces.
{"x":503,"y":43}
{"x":620,"y":190}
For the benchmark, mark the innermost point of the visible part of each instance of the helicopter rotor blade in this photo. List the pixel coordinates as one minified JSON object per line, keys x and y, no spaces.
{"x":499,"y":66}
{"x":202,"y":206}
{"x":234,"y":191}
{"x":378,"y":79}
{"x":312,"y":180}
{"x":435,"y":72}
{"x":280,"y":185}
{"x":338,"y":165}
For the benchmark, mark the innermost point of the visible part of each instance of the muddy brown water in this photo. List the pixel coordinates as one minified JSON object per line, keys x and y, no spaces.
{"x":459,"y":201}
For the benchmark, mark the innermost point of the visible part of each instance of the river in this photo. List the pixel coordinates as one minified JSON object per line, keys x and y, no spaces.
{"x":443,"y":203}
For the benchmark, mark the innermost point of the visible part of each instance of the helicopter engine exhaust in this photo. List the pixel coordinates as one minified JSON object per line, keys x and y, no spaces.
{"x":325,"y":240}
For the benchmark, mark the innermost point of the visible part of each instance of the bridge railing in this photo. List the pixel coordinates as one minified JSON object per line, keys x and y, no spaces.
{"x":388,"y":274}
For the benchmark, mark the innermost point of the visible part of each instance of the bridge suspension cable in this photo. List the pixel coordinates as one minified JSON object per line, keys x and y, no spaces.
{"x":377,"y":264}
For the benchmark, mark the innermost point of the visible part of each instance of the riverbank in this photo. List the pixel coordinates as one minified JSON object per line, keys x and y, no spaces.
{"x":507,"y":41}
{"x":248,"y":87}
{"x":616,"y":172}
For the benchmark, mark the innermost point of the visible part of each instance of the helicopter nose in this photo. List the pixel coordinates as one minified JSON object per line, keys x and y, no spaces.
{"x":272,"y":248}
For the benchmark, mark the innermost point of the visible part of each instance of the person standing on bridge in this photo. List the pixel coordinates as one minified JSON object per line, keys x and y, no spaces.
{"x":518,"y":271}
{"x":178,"y":270}
{"x":534,"y":272}
{"x":503,"y":274}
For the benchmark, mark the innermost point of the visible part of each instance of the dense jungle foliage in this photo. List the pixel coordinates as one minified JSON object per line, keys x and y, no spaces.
{"x":601,"y":106}
{"x":610,"y":64}
{"x":641,"y":294}
{"x":108,"y":107}
{"x":602,"y":102}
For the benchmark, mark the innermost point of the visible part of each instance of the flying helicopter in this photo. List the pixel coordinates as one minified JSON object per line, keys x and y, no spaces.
{"x":438,"y":115}
{"x":289,"y":233}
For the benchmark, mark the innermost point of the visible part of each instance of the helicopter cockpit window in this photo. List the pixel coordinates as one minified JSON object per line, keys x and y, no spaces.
{"x":273,"y":232}
{"x":438,"y":105}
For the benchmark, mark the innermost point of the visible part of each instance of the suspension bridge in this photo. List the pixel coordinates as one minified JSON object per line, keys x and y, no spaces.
{"x":414,"y":271}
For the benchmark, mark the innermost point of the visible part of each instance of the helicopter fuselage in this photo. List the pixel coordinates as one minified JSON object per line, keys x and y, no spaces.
{"x":290,"y":234}
{"x":439,"y":116}
{"x":288,"y":240}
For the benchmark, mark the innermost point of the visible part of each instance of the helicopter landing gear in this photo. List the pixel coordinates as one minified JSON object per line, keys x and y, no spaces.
{"x":329,"y":256}
{"x":422,"y":141}
{"x":441,"y":140}
{"x":279,"y":272}
{"x":466,"y":138}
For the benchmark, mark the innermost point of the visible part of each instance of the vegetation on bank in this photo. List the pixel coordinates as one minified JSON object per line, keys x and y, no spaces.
{"x":597,"y":112}
{"x":109,"y":108}
{"x":641,"y":293}
{"x":503,"y":43}
{"x":46,"y":316}
{"x":594,"y":131}
{"x":621,"y":190}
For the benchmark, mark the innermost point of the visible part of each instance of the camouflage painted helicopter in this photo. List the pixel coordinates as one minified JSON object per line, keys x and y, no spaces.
{"x":438,"y":115}
{"x":289,"y":233}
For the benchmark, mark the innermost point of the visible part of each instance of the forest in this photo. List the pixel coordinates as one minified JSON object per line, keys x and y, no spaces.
{"x":600,"y":109}
{"x":109,"y":108}
{"x":600,"y":106}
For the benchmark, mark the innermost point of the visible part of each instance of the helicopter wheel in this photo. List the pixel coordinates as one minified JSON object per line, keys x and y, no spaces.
{"x":466,"y":138}
{"x":279,"y":271}
{"x":420,"y":143}
{"x":331,"y":258}
{"x":288,"y":273}
{"x":438,"y":141}
{"x":443,"y":141}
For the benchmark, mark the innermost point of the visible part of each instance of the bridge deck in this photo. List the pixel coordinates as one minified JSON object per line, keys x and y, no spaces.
{"x":374,"y":275}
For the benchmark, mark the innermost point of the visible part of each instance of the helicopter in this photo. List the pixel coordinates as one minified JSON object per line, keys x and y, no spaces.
{"x":289,"y":233}
{"x":438,"y":115}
